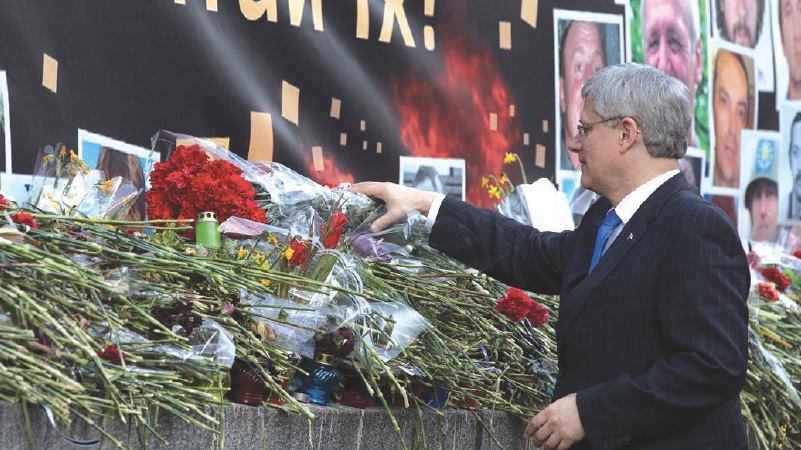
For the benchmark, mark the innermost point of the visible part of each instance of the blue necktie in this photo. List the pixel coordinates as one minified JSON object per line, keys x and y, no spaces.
{"x":610,"y":222}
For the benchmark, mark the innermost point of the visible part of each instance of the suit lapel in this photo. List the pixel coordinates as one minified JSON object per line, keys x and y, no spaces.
{"x":574,"y":300}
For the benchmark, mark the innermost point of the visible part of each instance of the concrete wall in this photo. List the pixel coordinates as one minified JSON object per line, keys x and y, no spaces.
{"x":260,"y":428}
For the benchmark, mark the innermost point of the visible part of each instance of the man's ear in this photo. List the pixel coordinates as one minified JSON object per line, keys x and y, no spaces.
{"x":629,"y":133}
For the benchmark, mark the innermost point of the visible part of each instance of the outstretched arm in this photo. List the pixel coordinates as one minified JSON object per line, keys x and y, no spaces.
{"x":399,"y":201}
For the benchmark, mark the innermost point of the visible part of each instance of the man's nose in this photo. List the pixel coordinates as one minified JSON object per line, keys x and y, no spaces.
{"x":795,"y":19}
{"x":742,"y":9}
{"x":662,"y":59}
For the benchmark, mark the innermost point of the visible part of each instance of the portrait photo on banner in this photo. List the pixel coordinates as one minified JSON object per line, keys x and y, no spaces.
{"x":790,"y":161}
{"x":671,"y":35}
{"x":585,"y":43}
{"x":733,"y":108}
{"x":116,"y":158}
{"x":746,"y":23}
{"x":441,"y":175}
{"x":786,"y":23}
{"x":758,"y":215}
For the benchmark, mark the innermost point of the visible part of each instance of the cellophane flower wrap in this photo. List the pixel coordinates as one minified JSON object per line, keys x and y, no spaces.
{"x":63,"y":184}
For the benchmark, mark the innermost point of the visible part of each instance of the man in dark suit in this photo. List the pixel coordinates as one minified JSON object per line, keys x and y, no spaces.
{"x":652,"y":341}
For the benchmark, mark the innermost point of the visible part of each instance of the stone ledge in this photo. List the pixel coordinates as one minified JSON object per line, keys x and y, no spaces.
{"x":261,"y":428}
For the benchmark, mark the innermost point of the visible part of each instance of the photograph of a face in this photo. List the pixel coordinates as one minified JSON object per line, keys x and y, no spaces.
{"x":733,"y":107}
{"x":117,"y":158}
{"x":758,"y":212}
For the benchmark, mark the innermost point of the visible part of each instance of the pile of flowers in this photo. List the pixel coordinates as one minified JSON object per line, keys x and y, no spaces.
{"x":116,"y":318}
{"x":107,"y":318}
{"x":770,"y":399}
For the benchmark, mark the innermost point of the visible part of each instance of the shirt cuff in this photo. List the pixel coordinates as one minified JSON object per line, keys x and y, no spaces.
{"x":433,"y":211}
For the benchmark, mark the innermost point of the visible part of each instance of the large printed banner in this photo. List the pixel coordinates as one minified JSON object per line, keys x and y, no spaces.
{"x":338,"y":91}
{"x":422,"y":92}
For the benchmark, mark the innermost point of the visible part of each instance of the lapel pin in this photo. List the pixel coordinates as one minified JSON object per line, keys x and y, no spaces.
{"x":631,"y":236}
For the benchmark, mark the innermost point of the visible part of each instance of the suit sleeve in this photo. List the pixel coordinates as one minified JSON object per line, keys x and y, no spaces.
{"x":516,"y":254}
{"x":702,"y":312}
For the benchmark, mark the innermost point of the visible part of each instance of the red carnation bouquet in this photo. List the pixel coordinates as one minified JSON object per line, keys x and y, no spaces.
{"x":189,"y":183}
{"x":516,"y":305}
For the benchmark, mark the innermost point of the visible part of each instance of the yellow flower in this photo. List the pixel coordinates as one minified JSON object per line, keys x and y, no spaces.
{"x":494,"y":192}
{"x":509,"y":158}
{"x":63,"y":152}
{"x":272,"y":240}
{"x":73,"y":156}
{"x":288,"y":253}
{"x":259,"y":259}
{"x":241,"y":253}
{"x":72,"y":173}
{"x":105,"y":187}
{"x":46,"y":159}
{"x":484,"y":182}
{"x":190,"y":251}
{"x":265,"y":281}
{"x":503,"y":179}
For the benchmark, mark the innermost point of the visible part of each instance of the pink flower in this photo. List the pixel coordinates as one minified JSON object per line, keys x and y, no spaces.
{"x":227,"y":309}
{"x":767,"y":290}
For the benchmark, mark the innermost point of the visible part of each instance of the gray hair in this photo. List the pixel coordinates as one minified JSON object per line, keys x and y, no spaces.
{"x":659,"y":103}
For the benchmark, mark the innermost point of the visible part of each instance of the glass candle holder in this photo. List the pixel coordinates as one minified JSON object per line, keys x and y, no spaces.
{"x":323,"y":378}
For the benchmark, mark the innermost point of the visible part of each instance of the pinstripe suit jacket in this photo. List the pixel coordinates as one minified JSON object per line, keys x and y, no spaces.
{"x":653,"y":341}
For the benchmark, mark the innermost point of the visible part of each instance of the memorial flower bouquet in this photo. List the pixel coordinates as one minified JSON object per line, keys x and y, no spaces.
{"x":508,"y":198}
{"x":190,"y":183}
{"x":500,"y":186}
{"x":63,"y":184}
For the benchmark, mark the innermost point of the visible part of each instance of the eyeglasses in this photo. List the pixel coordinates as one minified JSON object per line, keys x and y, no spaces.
{"x":584,"y":129}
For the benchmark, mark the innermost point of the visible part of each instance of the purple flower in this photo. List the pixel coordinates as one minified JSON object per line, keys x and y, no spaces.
{"x":227,"y":309}
{"x":367,"y":247}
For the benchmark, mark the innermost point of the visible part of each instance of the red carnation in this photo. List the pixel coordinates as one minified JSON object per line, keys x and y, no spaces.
{"x":112,"y":354}
{"x":515,"y":305}
{"x":22,"y":218}
{"x":773,"y":275}
{"x":797,"y":253}
{"x":538,"y":315}
{"x":4,"y":205}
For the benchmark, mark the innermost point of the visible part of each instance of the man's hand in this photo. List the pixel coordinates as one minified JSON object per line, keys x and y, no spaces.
{"x":398,"y":199}
{"x":556,"y":427}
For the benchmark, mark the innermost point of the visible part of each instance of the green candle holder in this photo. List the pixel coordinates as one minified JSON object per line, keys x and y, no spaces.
{"x":207,"y":232}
